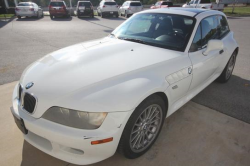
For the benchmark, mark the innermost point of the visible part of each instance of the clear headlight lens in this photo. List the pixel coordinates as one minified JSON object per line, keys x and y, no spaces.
{"x":76,"y":119}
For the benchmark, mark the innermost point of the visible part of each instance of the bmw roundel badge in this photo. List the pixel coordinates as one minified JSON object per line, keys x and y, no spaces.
{"x":29,"y":85}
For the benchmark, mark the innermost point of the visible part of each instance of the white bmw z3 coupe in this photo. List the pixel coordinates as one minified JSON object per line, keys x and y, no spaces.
{"x":83,"y":103}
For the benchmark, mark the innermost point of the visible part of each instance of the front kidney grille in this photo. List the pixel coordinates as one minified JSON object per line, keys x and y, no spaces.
{"x":29,"y":102}
{"x":20,"y":92}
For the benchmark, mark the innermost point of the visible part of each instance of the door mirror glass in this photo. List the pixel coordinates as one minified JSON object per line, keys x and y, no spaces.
{"x":213,"y":45}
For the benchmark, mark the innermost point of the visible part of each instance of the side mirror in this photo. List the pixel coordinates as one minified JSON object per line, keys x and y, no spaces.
{"x":213,"y":45}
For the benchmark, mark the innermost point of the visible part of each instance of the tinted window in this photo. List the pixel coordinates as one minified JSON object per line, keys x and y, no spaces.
{"x":109,"y":3}
{"x":135,"y":4}
{"x":56,"y":3}
{"x":197,"y":42}
{"x":159,"y":30}
{"x":223,"y":26}
{"x":196,"y":1}
{"x":209,"y":31}
{"x":25,"y":4}
{"x":167,"y":3}
{"x":87,"y":4}
{"x":205,"y":1}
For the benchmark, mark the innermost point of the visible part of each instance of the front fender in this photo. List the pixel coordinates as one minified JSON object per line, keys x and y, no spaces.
{"x":114,"y":95}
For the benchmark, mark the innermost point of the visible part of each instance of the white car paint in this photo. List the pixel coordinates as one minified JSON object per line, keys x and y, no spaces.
{"x":30,"y":11}
{"x":114,"y":76}
{"x":104,"y":8}
{"x":129,"y":9}
{"x":204,"y":5}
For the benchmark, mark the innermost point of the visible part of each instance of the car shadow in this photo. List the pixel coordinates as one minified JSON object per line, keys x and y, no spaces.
{"x":231,"y":98}
{"x":114,"y":18}
{"x":5,"y":21}
{"x":62,"y":18}
{"x":86,"y":18}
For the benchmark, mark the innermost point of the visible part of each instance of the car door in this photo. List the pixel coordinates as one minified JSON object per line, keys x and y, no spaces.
{"x":204,"y":66}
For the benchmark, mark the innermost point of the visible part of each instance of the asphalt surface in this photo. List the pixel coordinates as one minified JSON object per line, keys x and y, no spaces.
{"x":26,"y":40}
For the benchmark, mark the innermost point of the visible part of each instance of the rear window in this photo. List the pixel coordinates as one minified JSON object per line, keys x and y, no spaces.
{"x":135,"y":4}
{"x":110,"y":3}
{"x":25,"y":4}
{"x":87,"y":4}
{"x":56,"y":4}
{"x":167,"y":3}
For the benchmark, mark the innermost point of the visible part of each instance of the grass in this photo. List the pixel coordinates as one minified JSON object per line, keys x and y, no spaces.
{"x":6,"y":15}
{"x":238,"y":11}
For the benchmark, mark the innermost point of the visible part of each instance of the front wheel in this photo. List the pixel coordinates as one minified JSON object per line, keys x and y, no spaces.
{"x":143,"y":127}
{"x":228,"y":70}
{"x":19,"y":17}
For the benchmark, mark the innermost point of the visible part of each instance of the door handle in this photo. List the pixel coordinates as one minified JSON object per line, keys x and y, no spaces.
{"x":221,"y":51}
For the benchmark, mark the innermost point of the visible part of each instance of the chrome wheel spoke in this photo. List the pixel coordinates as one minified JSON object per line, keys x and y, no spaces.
{"x":146,"y":128}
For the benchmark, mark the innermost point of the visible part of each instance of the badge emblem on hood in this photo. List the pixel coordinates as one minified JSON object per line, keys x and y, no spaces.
{"x":29,"y":85}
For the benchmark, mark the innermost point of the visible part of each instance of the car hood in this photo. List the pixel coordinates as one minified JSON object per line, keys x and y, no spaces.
{"x":70,"y":69}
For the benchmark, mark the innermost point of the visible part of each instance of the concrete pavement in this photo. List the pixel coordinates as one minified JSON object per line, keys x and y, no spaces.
{"x":193,"y":136}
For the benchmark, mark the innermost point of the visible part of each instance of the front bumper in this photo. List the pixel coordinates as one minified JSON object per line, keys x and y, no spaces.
{"x":70,"y":144}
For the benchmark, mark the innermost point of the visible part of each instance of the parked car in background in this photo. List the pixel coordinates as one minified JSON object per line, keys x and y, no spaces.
{"x":84,"y":8}
{"x":128,"y":8}
{"x":58,"y":9}
{"x":163,"y":4}
{"x":83,"y":103}
{"x":204,"y":4}
{"x":28,"y":9}
{"x":107,"y":8}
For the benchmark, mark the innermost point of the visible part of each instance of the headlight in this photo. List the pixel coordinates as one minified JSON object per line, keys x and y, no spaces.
{"x":76,"y":119}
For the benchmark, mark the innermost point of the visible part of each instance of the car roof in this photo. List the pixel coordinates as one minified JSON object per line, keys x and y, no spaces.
{"x":192,"y":12}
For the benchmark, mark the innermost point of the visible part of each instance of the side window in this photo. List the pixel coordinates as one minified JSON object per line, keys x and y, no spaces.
{"x":196,"y":2}
{"x":209,"y":28}
{"x":197,"y":41}
{"x":205,"y":1}
{"x":223,"y":26}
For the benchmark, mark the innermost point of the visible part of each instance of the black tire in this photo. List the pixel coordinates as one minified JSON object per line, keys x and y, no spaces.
{"x":228,"y":70}
{"x":127,"y":137}
{"x":19,"y":17}
{"x":51,"y":17}
{"x":126,"y":15}
{"x":117,"y":15}
{"x":102,"y":15}
{"x":37,"y":15}
{"x":42,"y":15}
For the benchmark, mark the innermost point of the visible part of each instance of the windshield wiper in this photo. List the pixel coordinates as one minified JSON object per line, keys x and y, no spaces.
{"x":113,"y":35}
{"x":135,"y":40}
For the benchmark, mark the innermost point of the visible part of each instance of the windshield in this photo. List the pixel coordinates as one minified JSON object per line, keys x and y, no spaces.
{"x":87,"y":4}
{"x":25,"y":4}
{"x":109,"y":3}
{"x":167,"y":3}
{"x":159,"y":30}
{"x":135,"y":4}
{"x":57,"y":4}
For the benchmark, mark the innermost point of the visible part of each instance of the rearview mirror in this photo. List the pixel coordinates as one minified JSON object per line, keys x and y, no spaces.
{"x":213,"y":45}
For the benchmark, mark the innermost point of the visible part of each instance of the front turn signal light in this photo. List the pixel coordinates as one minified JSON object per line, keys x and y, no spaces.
{"x":102,"y":141}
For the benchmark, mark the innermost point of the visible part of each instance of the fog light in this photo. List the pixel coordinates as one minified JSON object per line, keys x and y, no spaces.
{"x":102,"y":141}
